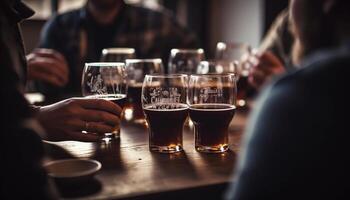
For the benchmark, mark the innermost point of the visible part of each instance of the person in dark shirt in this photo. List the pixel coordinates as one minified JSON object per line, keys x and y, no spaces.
{"x":21,"y":150}
{"x":80,"y":35}
{"x":23,"y":126}
{"x":296,"y":145}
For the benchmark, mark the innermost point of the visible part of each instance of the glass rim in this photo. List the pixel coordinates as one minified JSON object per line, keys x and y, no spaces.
{"x":224,"y":45}
{"x":214,"y":75}
{"x":235,"y":62}
{"x":147,"y":60}
{"x":120,"y":50}
{"x":199,"y":50}
{"x":166,"y":75}
{"x":105,"y":64}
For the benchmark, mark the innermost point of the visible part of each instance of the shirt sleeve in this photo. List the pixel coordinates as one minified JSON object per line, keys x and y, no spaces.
{"x":49,"y":37}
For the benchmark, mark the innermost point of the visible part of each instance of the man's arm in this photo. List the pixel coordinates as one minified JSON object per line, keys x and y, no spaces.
{"x":21,"y":149}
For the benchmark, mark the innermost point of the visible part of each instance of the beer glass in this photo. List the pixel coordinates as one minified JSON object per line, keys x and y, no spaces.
{"x":117,"y":54}
{"x":136,"y":70}
{"x":240,"y":53}
{"x":211,"y":100}
{"x":184,"y":61}
{"x":165,"y":108}
{"x":105,"y":81}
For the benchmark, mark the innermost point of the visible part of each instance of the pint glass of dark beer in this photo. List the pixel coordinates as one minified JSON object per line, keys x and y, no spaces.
{"x":136,"y":70}
{"x":165,"y":108}
{"x":211,"y":100}
{"x":105,"y":81}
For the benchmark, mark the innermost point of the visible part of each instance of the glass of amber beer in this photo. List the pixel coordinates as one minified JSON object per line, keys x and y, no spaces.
{"x":211,"y":100}
{"x":136,"y":70}
{"x":105,"y":81}
{"x":165,"y":109}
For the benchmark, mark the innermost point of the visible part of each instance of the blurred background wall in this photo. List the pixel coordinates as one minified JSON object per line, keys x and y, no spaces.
{"x":212,"y":20}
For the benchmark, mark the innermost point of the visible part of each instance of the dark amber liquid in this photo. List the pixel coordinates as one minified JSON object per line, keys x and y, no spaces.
{"x":242,"y":87}
{"x":134,"y":98}
{"x":166,"y":125}
{"x":118,"y":99}
{"x":211,"y":123}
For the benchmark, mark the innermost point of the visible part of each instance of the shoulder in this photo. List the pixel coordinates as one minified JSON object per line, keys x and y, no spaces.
{"x":320,"y":81}
{"x":324,"y":68}
{"x":65,"y":19}
{"x":144,"y":11}
{"x":151,"y":15}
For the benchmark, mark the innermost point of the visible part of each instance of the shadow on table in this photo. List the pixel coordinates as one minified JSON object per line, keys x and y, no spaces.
{"x":108,"y":153}
{"x":175,"y":164}
{"x":215,"y":161}
{"x":69,"y":189}
{"x":78,"y":189}
{"x":56,"y":152}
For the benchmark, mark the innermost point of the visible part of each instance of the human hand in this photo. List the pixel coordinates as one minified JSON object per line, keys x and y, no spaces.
{"x":49,"y":66}
{"x":266,"y":66}
{"x":67,"y":119}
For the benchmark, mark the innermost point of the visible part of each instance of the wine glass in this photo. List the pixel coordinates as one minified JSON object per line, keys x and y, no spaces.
{"x":136,"y":70}
{"x":106,"y":80}
{"x":211,"y":100}
{"x":117,"y":54}
{"x":165,"y":108}
{"x":184,"y":61}
{"x":240,"y":53}
{"x":217,"y":67}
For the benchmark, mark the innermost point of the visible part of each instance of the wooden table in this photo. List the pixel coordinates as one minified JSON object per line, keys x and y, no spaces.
{"x":131,"y":171}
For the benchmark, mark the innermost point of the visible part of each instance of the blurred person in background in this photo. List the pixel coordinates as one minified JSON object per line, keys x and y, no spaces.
{"x":80,"y":35}
{"x":21,"y":149}
{"x":296,"y":145}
